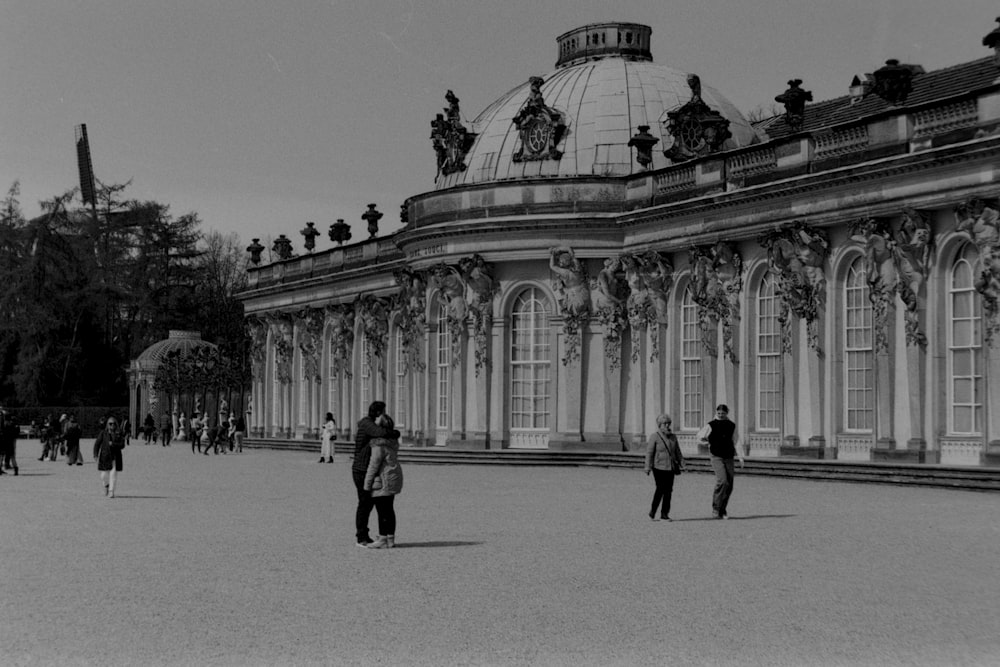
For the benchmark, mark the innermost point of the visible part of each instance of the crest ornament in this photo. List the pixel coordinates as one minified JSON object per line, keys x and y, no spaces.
{"x":340,"y":232}
{"x":696,"y":129}
{"x":450,"y":139}
{"x":540,"y":127}
{"x":282,"y":247}
{"x":893,"y":81}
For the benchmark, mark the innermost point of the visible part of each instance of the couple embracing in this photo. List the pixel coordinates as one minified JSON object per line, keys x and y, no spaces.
{"x":378,"y":476}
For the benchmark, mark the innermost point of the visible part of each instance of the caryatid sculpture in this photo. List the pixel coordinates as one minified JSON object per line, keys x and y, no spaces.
{"x":374,"y":314}
{"x":411,"y":306}
{"x":340,"y":320}
{"x":716,"y":283}
{"x":913,"y":264}
{"x":609,"y":294}
{"x":572,"y":288}
{"x":796,"y":255}
{"x":451,"y":294}
{"x":881,"y":273}
{"x":478,"y":276}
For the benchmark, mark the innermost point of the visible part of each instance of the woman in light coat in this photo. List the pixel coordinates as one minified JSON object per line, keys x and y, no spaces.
{"x":329,"y":432}
{"x":664,"y":460}
{"x":384,"y":480}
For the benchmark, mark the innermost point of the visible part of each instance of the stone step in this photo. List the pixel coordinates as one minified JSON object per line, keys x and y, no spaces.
{"x":956,"y":477}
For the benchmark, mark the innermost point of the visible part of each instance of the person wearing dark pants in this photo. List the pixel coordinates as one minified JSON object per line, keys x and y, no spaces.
{"x":72,"y":435}
{"x":385,"y":480}
{"x":664,"y":460}
{"x":722,"y":438}
{"x":366,"y":431}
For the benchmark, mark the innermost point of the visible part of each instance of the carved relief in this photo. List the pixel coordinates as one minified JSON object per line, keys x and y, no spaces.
{"x":796,"y":255}
{"x":257,"y":329}
{"x":374,"y":314}
{"x":610,"y":293}
{"x":451,"y":294}
{"x":311,"y":322}
{"x":572,"y":288}
{"x":451,"y":141}
{"x":914,"y":240}
{"x":649,"y":277}
{"x":716,"y":283}
{"x":482,"y":287}
{"x":281,"y":330}
{"x":696,"y":129}
{"x":340,"y":319}
{"x":880,"y":273}
{"x":540,"y":127}
{"x":980,"y":222}
{"x":411,"y":318}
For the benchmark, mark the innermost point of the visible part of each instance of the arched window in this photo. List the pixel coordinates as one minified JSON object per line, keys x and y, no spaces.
{"x":400,"y":404}
{"x":859,"y":354}
{"x":691,"y":367}
{"x":768,"y":357}
{"x":530,"y":371}
{"x":965,"y":379}
{"x":443,"y":393}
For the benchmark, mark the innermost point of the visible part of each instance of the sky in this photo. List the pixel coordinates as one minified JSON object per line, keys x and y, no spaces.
{"x":261,"y":115}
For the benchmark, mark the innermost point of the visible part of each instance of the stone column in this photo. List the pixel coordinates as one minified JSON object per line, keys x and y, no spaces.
{"x":815,"y":373}
{"x":790,"y":397}
{"x":459,"y":398}
{"x":635,"y":416}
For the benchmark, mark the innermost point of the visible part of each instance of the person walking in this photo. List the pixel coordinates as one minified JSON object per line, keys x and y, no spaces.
{"x":239,"y":431}
{"x":148,"y":427}
{"x":72,"y":435}
{"x":9,"y":431}
{"x":384,"y":480}
{"x":166,"y":429}
{"x":664,"y":460}
{"x":195,"y":433}
{"x":108,"y":453}
{"x":366,"y":431}
{"x":722,"y":439}
{"x":329,"y":432}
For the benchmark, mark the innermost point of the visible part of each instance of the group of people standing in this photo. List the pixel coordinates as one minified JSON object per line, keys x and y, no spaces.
{"x":665,"y":461}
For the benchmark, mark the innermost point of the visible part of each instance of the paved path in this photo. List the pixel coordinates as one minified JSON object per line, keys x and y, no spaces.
{"x":250,"y":559}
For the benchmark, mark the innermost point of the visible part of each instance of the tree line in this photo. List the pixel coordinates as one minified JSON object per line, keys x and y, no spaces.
{"x":83,"y":291}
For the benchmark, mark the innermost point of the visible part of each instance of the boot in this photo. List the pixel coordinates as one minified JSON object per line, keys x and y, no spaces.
{"x":380,"y":543}
{"x":390,"y":541}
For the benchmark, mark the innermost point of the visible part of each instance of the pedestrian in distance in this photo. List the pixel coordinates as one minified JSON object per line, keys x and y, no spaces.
{"x":182,"y":427}
{"x":329,"y":432}
{"x":384,"y":480}
{"x":722,"y":439}
{"x":166,"y":429}
{"x":9,"y":431}
{"x":366,"y":431}
{"x":195,"y":433}
{"x":108,"y":453}
{"x":148,"y":427}
{"x":239,"y":432}
{"x":73,"y":435}
{"x":665,"y":461}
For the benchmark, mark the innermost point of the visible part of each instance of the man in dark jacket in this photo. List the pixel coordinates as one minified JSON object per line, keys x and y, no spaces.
{"x":367,"y":429}
{"x":72,"y":435}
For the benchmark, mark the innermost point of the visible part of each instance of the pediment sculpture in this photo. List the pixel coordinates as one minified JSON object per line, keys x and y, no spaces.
{"x":695,"y":128}
{"x":539,"y":126}
{"x":451,"y":140}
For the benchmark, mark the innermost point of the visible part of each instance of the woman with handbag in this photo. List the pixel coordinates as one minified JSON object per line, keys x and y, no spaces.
{"x":664,"y":460}
{"x":384,"y":480}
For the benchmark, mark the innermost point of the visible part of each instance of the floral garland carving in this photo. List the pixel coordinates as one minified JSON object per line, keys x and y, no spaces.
{"x":451,"y":295}
{"x":610,"y":294}
{"x":257,"y":330}
{"x":374,"y":314}
{"x":311,"y":341}
{"x":410,"y":307}
{"x":281,"y":327}
{"x":572,"y":288}
{"x":880,"y":273}
{"x":979,"y":221}
{"x":796,"y":254}
{"x":340,"y":318}
{"x":649,"y":277}
{"x":914,"y":246}
{"x":717,"y":279}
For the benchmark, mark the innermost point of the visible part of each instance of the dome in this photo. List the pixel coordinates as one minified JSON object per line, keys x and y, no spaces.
{"x":605,"y":86}
{"x":183,"y":341}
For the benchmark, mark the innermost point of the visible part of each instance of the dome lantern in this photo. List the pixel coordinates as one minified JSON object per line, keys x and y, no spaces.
{"x":598,"y":40}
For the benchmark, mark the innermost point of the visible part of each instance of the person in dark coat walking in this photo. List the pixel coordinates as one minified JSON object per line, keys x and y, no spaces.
{"x":367,"y":429}
{"x":108,"y":453}
{"x":72,"y":435}
{"x":664,"y":460}
{"x":9,"y":430}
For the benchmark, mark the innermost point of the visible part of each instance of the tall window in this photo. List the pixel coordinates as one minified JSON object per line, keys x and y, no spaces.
{"x":443,"y":368}
{"x":768,"y":358}
{"x":366,"y":375}
{"x":965,"y":386}
{"x":332,"y":387}
{"x":691,"y":370}
{"x":531,"y":383}
{"x":400,"y":393}
{"x":859,"y":353}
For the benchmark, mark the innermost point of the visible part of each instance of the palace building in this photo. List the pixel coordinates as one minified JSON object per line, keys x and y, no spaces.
{"x":614,"y":240}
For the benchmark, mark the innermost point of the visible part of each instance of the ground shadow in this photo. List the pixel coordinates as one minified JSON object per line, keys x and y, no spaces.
{"x":740,"y":518}
{"x":30,"y":474}
{"x":119,"y":495}
{"x":441,"y":543}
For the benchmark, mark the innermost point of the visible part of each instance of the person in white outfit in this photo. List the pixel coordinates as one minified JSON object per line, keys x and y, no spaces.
{"x":329,"y":432}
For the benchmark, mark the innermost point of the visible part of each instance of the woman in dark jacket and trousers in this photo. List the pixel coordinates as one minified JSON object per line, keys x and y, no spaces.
{"x":367,"y":429}
{"x":384,"y":480}
{"x":664,"y":460}
{"x":108,"y":453}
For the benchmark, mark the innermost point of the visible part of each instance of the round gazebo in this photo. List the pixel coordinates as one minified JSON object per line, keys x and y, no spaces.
{"x":144,"y":397}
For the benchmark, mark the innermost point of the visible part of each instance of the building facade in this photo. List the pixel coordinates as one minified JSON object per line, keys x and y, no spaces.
{"x":615,"y":240}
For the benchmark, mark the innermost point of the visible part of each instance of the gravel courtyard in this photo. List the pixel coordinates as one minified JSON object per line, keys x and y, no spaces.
{"x":250,"y":559}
